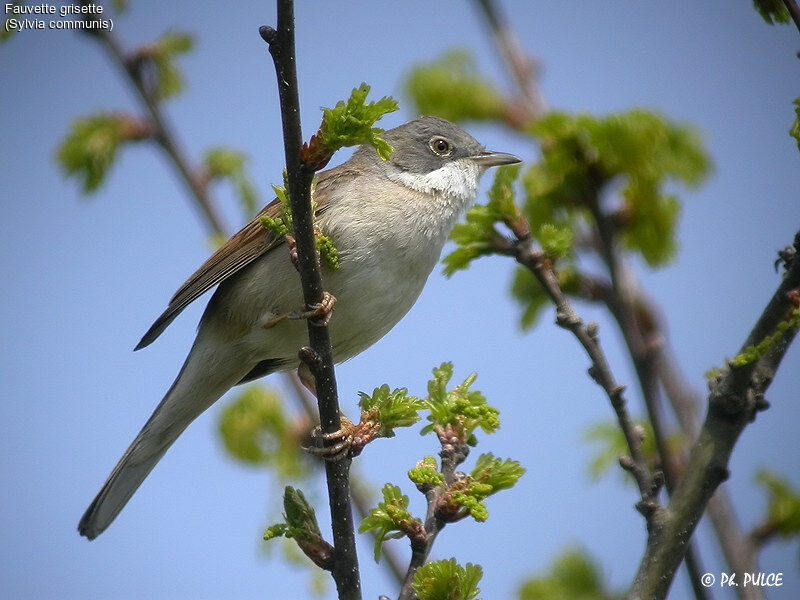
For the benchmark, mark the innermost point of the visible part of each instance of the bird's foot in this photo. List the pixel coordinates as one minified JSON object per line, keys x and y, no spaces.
{"x":320,"y":313}
{"x":348,"y":441}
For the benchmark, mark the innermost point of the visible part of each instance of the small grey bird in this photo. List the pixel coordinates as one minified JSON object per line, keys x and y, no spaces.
{"x":388,"y":220}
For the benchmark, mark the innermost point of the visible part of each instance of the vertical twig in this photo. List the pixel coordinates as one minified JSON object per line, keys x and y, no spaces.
{"x":319,"y":356}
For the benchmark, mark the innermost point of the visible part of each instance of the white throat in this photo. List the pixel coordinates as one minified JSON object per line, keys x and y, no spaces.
{"x":457,"y":180}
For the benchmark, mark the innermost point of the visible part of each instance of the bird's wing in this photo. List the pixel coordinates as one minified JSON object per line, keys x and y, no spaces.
{"x":252,"y":241}
{"x":244,"y":247}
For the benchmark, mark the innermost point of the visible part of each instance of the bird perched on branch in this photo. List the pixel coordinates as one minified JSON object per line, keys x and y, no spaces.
{"x":388,"y":221}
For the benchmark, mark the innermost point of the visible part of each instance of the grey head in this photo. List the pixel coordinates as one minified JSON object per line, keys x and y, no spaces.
{"x":427,"y":144}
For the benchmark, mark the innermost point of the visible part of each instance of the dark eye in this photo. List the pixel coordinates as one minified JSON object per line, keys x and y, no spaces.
{"x":440,"y":146}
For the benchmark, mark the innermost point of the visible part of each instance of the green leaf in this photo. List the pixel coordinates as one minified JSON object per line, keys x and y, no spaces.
{"x":392,"y":409}
{"x":489,"y":476}
{"x":611,"y":443}
{"x":641,"y":152}
{"x":447,"y":580}
{"x":531,"y":296}
{"x":391,"y":515}
{"x":6,"y":32}
{"x":351,"y":123}
{"x":573,"y":576}
{"x":783,"y":511}
{"x":460,"y":408}
{"x":256,"y":431}
{"x":795,"y":130}
{"x":91,"y":146}
{"x":426,"y":473}
{"x":163,"y":54}
{"x":475,"y":237}
{"x":226,"y":163}
{"x":451,"y":88}
{"x":772,"y":11}
{"x":300,"y":519}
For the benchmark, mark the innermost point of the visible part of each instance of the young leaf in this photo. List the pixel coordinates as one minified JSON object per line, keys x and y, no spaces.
{"x":783,"y":513}
{"x":392,"y":409}
{"x":451,"y":88}
{"x":391,"y":515}
{"x":255,"y":430}
{"x":460,"y":408}
{"x":573,"y":576}
{"x":447,"y":580}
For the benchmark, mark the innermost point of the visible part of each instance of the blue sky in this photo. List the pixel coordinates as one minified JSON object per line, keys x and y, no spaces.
{"x":84,"y":278}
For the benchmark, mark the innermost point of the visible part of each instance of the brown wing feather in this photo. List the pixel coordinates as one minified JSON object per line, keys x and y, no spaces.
{"x":245,"y":246}
{"x":239,"y":251}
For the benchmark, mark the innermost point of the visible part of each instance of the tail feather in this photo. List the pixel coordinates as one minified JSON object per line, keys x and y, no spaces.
{"x":202,"y":380}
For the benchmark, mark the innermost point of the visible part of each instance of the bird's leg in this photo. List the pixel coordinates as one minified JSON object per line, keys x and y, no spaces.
{"x":321,"y":310}
{"x":350,"y":439}
{"x":290,"y":241}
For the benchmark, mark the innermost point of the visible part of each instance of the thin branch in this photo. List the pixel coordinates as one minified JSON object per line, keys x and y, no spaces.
{"x":794,"y":10}
{"x":643,"y":349}
{"x":359,"y":497}
{"x":733,"y":402}
{"x":164,"y":134}
{"x":319,"y":357}
{"x":538,"y":264}
{"x":522,"y":67}
{"x":452,"y":455}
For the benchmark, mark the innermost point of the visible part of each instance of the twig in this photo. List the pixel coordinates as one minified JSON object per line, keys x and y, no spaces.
{"x":522,"y":67}
{"x":538,"y":264}
{"x":359,"y":498}
{"x":319,"y":356}
{"x":164,"y":134}
{"x":643,"y":348}
{"x":452,"y":455}
{"x":733,"y":401}
{"x":794,"y":10}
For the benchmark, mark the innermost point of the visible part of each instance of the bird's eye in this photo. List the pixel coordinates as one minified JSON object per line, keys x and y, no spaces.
{"x":440,"y":146}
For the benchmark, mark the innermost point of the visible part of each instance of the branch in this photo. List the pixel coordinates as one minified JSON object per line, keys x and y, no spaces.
{"x":794,"y":10}
{"x":319,"y":357}
{"x":522,"y":67}
{"x":357,"y":494}
{"x":538,"y":264}
{"x":163,"y":134}
{"x":643,"y":347}
{"x":733,"y":401}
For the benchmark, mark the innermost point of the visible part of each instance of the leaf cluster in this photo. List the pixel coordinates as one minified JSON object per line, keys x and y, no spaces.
{"x":795,"y":130}
{"x":226,"y":163}
{"x":783,"y":512}
{"x":256,"y":431}
{"x":640,"y":151}
{"x":90,"y":147}
{"x":447,"y":580}
{"x":392,"y":409}
{"x":489,"y":476}
{"x":476,"y":237}
{"x":774,"y":12}
{"x":573,"y":576}
{"x":300,"y":520}
{"x":283,"y":225}
{"x":347,"y":124}
{"x":390,"y":516}
{"x":611,"y":443}
{"x":462,"y":409}
{"x":163,"y":54}
{"x":452,"y":89}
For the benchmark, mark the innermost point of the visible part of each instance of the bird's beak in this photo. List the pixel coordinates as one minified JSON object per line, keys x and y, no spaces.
{"x":494,"y":159}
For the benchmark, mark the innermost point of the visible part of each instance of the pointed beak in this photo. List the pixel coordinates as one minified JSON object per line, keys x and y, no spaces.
{"x":494,"y":159}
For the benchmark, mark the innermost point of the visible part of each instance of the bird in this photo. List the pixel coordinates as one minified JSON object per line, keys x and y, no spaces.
{"x":388,"y":220}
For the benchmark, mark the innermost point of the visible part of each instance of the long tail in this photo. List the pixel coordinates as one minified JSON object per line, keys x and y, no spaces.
{"x":203,"y":378}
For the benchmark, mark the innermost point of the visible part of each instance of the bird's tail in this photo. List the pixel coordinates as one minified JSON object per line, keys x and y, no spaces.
{"x":195,"y":389}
